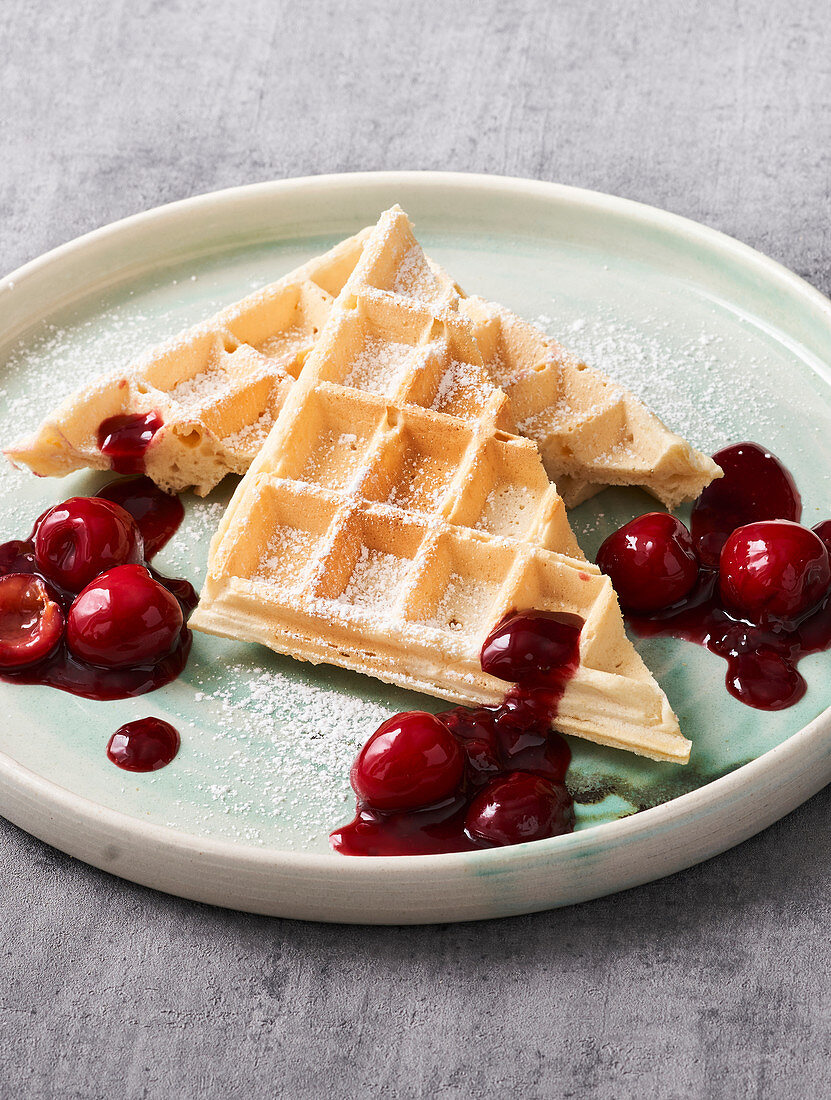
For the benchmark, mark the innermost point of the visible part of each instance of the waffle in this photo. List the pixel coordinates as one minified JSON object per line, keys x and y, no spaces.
{"x":591,"y":433}
{"x":220,"y":385}
{"x":391,"y":519}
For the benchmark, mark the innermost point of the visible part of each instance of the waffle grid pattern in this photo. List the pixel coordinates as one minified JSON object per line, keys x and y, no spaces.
{"x":389,"y":528}
{"x":218,"y":386}
{"x":591,"y":433}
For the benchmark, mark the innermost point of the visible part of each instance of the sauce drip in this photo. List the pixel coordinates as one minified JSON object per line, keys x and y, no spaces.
{"x":761,"y":660}
{"x":124,"y":439}
{"x":144,"y":745}
{"x":158,"y":514}
{"x":541,"y":651}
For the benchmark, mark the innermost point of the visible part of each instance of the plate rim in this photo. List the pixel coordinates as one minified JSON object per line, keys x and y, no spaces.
{"x":677,"y":812}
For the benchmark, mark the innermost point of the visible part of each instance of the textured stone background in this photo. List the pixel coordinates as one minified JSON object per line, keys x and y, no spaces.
{"x":713,"y":983}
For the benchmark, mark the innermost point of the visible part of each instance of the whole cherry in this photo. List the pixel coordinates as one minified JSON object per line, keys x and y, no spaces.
{"x":83,"y":537}
{"x":123,"y":618}
{"x":520,"y":807}
{"x":412,"y":760}
{"x":650,"y":561}
{"x":774,"y":570}
{"x":31,"y":621}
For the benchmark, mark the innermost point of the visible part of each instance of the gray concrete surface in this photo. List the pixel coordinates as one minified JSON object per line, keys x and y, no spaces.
{"x":711,"y":984}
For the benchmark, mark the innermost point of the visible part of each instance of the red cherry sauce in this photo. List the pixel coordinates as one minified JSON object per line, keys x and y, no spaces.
{"x":62,"y":669}
{"x":124,"y":439}
{"x":144,"y":745}
{"x":158,"y":514}
{"x":510,"y":751}
{"x":761,"y":660}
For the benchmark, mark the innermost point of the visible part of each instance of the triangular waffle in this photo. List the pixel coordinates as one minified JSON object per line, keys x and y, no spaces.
{"x":219,"y":386}
{"x":591,"y":433}
{"x":390,"y":520}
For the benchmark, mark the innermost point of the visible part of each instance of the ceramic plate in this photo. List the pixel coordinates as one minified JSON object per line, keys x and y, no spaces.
{"x":723,"y":343}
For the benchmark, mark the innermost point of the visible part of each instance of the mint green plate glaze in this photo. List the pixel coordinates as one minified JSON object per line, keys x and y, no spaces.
{"x":723,"y":343}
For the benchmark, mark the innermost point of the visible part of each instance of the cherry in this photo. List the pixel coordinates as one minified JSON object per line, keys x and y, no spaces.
{"x":158,"y":514}
{"x":518,"y":808}
{"x":31,"y":621}
{"x":83,"y":537}
{"x":534,"y":646}
{"x":755,"y":486}
{"x":411,"y":760}
{"x":124,"y":617}
{"x":775,"y":569}
{"x":144,"y":745}
{"x":650,"y":561}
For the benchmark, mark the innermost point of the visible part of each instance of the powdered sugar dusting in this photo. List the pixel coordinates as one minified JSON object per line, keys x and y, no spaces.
{"x":285,"y":343}
{"x":281,"y":751}
{"x":201,"y":388}
{"x":378,"y":365}
{"x":335,"y":459}
{"x":413,"y":278}
{"x":464,"y":603}
{"x":250,"y":438}
{"x":376,"y":580}
{"x":670,"y":383}
{"x":420,"y":482}
{"x":461,"y":382}
{"x":287,"y":555}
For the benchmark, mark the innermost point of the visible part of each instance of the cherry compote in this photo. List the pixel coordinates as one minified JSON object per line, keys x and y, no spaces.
{"x":124,"y":439}
{"x":80,"y":608}
{"x":761,"y":596}
{"x":474,"y":778}
{"x":755,"y":486}
{"x":518,"y":807}
{"x":144,"y":745}
{"x":157,"y":514}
